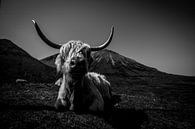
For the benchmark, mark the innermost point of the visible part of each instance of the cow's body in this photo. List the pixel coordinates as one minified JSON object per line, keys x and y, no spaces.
{"x":92,"y":93}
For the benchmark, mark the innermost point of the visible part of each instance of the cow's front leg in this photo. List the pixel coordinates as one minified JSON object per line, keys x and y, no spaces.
{"x":72,"y":101}
{"x":58,"y":82}
{"x":62,"y":101}
{"x":61,"y":104}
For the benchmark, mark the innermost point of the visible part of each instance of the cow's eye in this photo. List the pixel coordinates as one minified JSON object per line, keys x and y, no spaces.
{"x":82,"y":52}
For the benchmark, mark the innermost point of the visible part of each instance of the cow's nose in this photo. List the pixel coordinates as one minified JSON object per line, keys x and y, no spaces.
{"x":73,"y":63}
{"x":76,"y":60}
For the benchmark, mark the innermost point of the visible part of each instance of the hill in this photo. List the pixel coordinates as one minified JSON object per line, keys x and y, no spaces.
{"x":16,"y":63}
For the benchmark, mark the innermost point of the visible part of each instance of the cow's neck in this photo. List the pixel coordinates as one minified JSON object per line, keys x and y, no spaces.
{"x":72,"y":83}
{"x":73,"y":88}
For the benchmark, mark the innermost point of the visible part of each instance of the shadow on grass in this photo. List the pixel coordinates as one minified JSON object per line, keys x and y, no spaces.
{"x":119,"y":118}
{"x":126,"y":118}
{"x":5,"y":107}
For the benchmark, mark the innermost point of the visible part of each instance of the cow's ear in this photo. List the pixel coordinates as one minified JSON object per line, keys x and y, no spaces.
{"x":58,"y":63}
{"x":89,"y":57}
{"x":90,"y":61}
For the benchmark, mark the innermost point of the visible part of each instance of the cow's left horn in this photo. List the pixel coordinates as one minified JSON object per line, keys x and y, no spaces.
{"x":44,"y":38}
{"x":104,"y":45}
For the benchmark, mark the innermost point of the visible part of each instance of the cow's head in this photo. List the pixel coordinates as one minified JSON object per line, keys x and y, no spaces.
{"x":72,"y":62}
{"x":74,"y":59}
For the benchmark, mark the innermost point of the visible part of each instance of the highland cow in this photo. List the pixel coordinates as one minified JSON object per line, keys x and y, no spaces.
{"x":80,"y":90}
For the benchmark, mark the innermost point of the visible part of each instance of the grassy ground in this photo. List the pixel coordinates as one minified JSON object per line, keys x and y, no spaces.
{"x":167,"y":106}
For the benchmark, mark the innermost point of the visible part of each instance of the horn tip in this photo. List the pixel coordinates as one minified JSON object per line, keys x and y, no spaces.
{"x":112,"y":27}
{"x":33,"y":21}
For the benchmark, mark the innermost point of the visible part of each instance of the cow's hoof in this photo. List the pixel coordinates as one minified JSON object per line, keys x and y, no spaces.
{"x":61,"y":105}
{"x":71,"y":107}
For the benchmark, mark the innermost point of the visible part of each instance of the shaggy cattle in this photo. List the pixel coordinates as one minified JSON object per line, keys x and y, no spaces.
{"x":79,"y":90}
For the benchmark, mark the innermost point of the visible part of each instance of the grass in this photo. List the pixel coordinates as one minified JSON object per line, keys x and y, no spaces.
{"x":166,"y":106}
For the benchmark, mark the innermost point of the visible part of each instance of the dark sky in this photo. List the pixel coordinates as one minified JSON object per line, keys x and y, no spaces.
{"x":158,"y":34}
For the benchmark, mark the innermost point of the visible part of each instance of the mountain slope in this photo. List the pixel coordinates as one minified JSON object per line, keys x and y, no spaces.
{"x":122,"y":71}
{"x":16,"y":63}
{"x":106,"y":61}
{"x":50,"y":60}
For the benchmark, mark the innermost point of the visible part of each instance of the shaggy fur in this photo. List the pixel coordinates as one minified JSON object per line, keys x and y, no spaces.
{"x":80,"y":90}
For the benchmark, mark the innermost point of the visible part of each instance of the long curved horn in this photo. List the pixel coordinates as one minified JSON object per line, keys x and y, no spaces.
{"x":44,"y":38}
{"x":104,"y":45}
